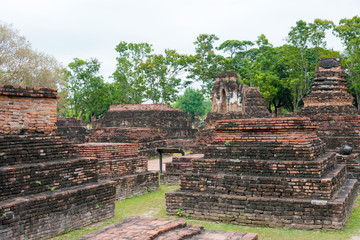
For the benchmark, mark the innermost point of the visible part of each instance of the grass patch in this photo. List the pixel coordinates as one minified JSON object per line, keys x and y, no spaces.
{"x":153,"y":205}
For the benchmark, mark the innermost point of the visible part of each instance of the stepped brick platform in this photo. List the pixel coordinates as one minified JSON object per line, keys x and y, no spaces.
{"x":269,"y":172}
{"x":330,"y":106}
{"x":120,"y":162}
{"x":170,"y":122}
{"x":74,"y":130}
{"x":45,"y":187}
{"x":230,"y":100}
{"x":141,"y":228}
{"x":148,"y":139}
{"x":178,"y":166}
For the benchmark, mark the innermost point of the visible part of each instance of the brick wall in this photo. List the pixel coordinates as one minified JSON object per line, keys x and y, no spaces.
{"x":50,"y":213}
{"x":74,"y":130}
{"x":45,"y":187}
{"x":27,"y":110}
{"x":147,"y":138}
{"x":114,"y":159}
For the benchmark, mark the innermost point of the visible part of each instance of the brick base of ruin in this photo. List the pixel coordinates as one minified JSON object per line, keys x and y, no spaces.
{"x":265,"y":211}
{"x":267,"y":172}
{"x":136,"y":184}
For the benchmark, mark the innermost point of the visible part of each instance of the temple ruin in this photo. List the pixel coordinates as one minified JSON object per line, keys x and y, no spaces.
{"x":331,"y":108}
{"x":45,"y":188}
{"x":161,"y":121}
{"x":271,"y":172}
{"x":230,"y":100}
{"x":234,"y":100}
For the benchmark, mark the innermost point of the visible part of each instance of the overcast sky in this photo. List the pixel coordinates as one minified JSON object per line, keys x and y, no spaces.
{"x":92,"y":28}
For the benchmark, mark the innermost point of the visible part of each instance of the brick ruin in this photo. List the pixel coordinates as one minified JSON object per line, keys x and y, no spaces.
{"x":170,"y":123}
{"x":330,"y":106}
{"x":120,"y":154}
{"x":230,"y":100}
{"x":147,"y":139}
{"x":139,"y":228}
{"x":271,"y":172}
{"x":45,"y":188}
{"x":121,"y":163}
{"x":74,"y":130}
{"x":234,"y":100}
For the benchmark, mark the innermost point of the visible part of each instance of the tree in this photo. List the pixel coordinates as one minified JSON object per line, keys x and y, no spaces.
{"x":205,"y":65}
{"x":191,"y":101}
{"x":348,"y":31}
{"x":20,"y":65}
{"x":128,"y":75}
{"x":161,"y":76}
{"x":88,"y":94}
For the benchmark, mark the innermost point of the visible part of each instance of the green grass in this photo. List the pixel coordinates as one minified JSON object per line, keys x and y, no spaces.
{"x":153,"y":205}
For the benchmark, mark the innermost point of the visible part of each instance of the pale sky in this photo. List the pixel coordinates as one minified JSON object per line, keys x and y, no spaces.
{"x":85,"y":29}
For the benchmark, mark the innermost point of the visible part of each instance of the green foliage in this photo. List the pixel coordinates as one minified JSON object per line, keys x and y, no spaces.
{"x":89,"y":96}
{"x":161,"y":76}
{"x":348,"y":32}
{"x":128,"y":77}
{"x":227,"y":143}
{"x":205,"y":65}
{"x":141,"y":75}
{"x":38,"y":182}
{"x":191,"y":101}
{"x":179,"y":212}
{"x":97,"y":206}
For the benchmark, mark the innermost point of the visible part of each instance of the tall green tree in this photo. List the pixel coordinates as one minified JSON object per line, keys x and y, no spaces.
{"x":88,"y":93}
{"x":127,"y":74}
{"x":191,"y":101}
{"x":161,"y":74}
{"x":348,"y":31}
{"x":205,"y":65}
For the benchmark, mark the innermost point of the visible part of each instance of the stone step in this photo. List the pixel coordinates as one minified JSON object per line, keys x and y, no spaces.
{"x":24,"y":149}
{"x":25,"y":179}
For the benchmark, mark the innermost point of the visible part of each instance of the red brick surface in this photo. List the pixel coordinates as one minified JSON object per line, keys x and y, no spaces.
{"x":27,"y":110}
{"x":143,"y":228}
